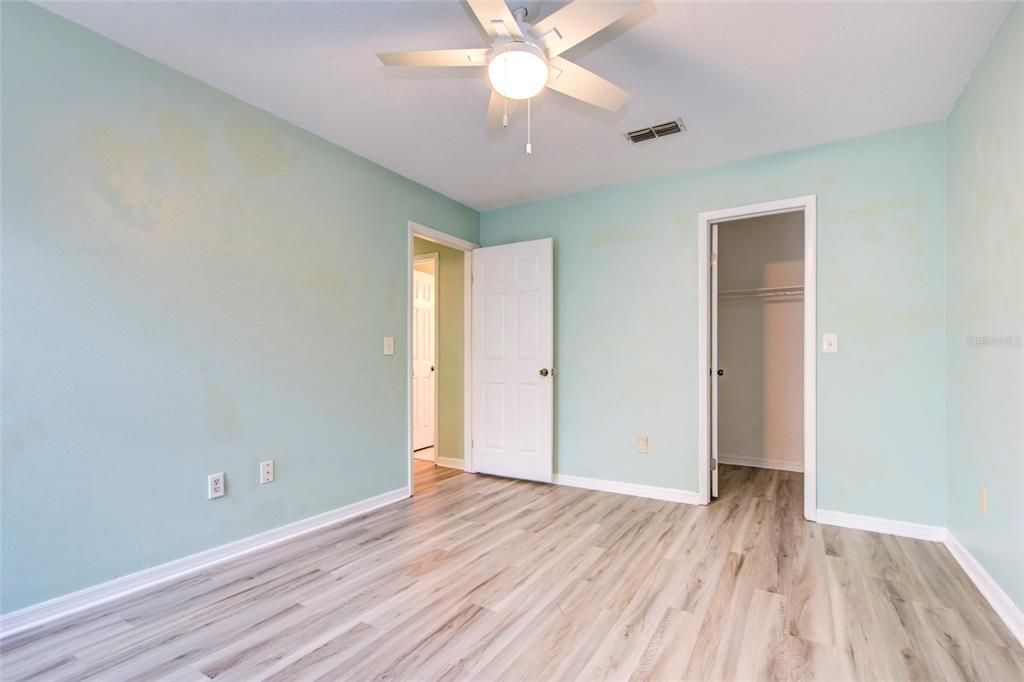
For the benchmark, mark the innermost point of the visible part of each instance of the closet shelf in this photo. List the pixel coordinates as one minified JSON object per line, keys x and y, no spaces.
{"x":763,"y":292}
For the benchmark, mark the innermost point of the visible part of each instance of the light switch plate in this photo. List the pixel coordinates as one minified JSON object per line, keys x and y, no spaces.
{"x":830,"y":343}
{"x":641,"y":445}
{"x":389,"y":345}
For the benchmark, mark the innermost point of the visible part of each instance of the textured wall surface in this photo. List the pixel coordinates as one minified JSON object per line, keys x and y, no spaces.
{"x":450,"y":341}
{"x":189,"y":286}
{"x":626,"y":317}
{"x":985,"y":136}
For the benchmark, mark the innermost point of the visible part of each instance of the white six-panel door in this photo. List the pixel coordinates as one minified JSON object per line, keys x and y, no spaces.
{"x":424,"y":341}
{"x":513,"y":352}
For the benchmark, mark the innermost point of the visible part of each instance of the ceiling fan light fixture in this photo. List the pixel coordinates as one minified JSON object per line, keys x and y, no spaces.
{"x":518,"y":70}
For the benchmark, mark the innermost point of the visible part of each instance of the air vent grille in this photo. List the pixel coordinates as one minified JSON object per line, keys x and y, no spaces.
{"x":659,"y":130}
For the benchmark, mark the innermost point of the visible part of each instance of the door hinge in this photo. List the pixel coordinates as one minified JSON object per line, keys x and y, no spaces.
{"x":714,"y":462}
{"x":714,"y":260}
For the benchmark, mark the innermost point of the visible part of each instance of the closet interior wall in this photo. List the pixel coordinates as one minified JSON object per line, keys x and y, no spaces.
{"x":760,"y":341}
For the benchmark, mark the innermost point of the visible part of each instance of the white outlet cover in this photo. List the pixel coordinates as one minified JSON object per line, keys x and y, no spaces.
{"x":642,"y":445}
{"x":215,"y":486}
{"x":830,"y":343}
{"x":389,"y":345}
{"x":267,"y":471}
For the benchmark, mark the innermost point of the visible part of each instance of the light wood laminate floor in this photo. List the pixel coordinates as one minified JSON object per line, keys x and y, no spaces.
{"x":485,"y":578}
{"x":427,"y":474}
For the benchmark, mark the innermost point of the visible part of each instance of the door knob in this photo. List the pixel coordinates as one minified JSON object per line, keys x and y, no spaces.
{"x":431,"y":368}
{"x":543,"y":372}
{"x":720,"y":372}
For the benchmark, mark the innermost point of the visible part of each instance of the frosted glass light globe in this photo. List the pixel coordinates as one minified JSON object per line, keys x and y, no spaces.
{"x":518,"y":70}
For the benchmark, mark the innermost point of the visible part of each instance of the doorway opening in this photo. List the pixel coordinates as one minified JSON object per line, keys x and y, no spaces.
{"x":425,"y":313}
{"x":758,"y":347}
{"x":438,"y":351}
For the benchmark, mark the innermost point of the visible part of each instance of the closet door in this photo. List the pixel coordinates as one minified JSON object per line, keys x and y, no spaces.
{"x":713,"y":379}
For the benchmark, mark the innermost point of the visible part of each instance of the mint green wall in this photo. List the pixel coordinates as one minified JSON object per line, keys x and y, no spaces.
{"x":450,"y":342}
{"x":626,"y":313}
{"x":189,"y":286}
{"x":985,"y":135}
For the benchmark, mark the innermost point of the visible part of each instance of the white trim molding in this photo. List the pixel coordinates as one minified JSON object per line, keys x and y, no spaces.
{"x":635,"y":489}
{"x":65,"y":605}
{"x":809,"y":205}
{"x":1001,"y":603}
{"x":761,"y":462}
{"x":438,"y":237}
{"x":442,"y":238}
{"x":905,"y":529}
{"x":451,"y":463}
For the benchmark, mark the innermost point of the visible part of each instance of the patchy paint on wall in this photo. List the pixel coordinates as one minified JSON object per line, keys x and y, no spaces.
{"x":332,"y":285}
{"x":985,"y":307}
{"x":178,"y":300}
{"x":184,"y":144}
{"x":626,"y":316}
{"x":257,"y":146}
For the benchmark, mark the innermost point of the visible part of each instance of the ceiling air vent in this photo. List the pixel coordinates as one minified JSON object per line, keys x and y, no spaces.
{"x":659,"y":130}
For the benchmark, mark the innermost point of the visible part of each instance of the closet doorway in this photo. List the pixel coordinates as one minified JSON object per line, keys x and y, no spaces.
{"x":759,"y":349}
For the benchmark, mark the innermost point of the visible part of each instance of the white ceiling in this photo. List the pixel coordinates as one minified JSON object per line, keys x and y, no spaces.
{"x":746,"y":78}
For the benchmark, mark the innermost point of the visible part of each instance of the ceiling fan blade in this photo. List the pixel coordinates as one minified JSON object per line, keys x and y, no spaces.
{"x":496,"y":19}
{"x":575,"y":81}
{"x":579,"y":20}
{"x":469,"y":57}
{"x":496,"y":109}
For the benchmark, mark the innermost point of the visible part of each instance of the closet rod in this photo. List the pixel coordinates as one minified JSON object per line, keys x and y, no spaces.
{"x":762,"y":292}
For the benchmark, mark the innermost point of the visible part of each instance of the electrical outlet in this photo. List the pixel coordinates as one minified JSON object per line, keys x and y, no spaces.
{"x":641,"y":445}
{"x":983,"y":501}
{"x":830,"y":343}
{"x":266,"y":471}
{"x":389,"y":345}
{"x":215,"y":486}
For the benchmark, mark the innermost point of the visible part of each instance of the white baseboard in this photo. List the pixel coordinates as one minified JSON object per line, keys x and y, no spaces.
{"x":635,"y":489}
{"x":761,"y":462}
{"x":989,"y":588}
{"x":918,"y":531}
{"x":68,"y":604}
{"x":450,"y":462}
{"x":59,"y":607}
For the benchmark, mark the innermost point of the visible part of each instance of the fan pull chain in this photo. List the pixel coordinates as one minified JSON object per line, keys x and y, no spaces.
{"x":529,"y":147}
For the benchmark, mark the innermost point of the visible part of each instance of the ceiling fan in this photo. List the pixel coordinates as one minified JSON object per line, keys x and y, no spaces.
{"x":524,"y":57}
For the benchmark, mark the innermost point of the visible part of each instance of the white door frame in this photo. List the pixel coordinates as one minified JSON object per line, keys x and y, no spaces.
{"x":807,"y":204}
{"x":438,"y":237}
{"x":435,"y":258}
